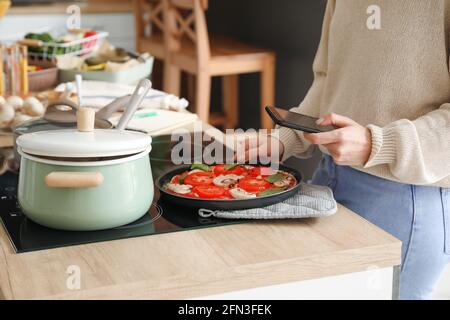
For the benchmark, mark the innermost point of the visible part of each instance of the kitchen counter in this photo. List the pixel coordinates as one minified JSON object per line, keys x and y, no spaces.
{"x":270,"y":259}
{"x":203,"y":262}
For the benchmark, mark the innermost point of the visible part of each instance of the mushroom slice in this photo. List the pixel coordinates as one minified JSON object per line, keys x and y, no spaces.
{"x":227,"y":181}
{"x":241,"y":194}
{"x":179,"y":188}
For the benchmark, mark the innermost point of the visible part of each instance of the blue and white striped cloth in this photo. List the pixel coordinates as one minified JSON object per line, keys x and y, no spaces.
{"x":310,"y":202}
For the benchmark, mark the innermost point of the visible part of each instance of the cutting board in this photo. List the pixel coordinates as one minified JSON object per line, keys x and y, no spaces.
{"x":158,"y":122}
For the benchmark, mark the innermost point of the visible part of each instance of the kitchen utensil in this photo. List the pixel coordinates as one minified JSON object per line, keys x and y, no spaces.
{"x":79,"y":86}
{"x":226,"y":205}
{"x":102,"y":179}
{"x":13,"y":70}
{"x":138,"y":96}
{"x":55,"y":115}
{"x":55,"y":119}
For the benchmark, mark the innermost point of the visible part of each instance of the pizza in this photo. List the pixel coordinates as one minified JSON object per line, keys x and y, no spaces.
{"x":230,"y":182}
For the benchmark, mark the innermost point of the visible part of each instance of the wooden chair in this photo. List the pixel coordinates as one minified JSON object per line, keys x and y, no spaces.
{"x":189,"y":49}
{"x":149,"y":25}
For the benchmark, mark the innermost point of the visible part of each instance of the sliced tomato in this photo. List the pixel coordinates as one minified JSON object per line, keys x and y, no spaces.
{"x":192,"y":195}
{"x":262,"y":171}
{"x":254,"y":185}
{"x":226,"y":196}
{"x":219,"y":170}
{"x":90,"y":33}
{"x":200,"y":179}
{"x":210,"y":192}
{"x":176,"y":179}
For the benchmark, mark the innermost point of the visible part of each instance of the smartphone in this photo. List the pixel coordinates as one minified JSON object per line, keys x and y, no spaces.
{"x":296,"y":121}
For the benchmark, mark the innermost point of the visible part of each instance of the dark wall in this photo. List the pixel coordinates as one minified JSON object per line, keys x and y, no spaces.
{"x":291,"y":28}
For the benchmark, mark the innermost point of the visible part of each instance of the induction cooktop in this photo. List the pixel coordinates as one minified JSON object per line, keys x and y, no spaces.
{"x":27,"y":236}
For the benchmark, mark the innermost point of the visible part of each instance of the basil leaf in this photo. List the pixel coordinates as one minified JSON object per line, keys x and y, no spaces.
{"x":270,"y":192}
{"x":275,"y":178}
{"x":200,"y":166}
{"x":182,"y":178}
{"x":229,"y":167}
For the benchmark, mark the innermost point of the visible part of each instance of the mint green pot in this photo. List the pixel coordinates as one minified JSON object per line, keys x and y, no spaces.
{"x":124,"y":196}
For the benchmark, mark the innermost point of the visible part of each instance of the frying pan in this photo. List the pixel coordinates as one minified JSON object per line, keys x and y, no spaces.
{"x":54,"y":115}
{"x":55,"y":119}
{"x":225,"y":205}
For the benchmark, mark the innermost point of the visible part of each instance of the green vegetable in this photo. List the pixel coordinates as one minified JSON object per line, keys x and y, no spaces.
{"x":44,"y":37}
{"x":275,"y":178}
{"x":270,"y":192}
{"x":229,"y":167}
{"x":199,"y":166}
{"x":182,"y":178}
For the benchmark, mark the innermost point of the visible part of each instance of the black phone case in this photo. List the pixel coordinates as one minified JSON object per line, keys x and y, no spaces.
{"x":290,"y":125}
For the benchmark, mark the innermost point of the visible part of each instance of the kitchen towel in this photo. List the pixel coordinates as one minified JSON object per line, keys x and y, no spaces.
{"x":310,"y":202}
{"x":97,"y":94}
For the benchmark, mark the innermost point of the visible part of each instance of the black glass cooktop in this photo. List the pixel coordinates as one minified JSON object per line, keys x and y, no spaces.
{"x":163,"y":217}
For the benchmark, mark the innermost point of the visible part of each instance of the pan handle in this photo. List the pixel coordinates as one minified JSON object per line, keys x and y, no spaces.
{"x":138,"y":96}
{"x":117,"y":105}
{"x":74,"y":180}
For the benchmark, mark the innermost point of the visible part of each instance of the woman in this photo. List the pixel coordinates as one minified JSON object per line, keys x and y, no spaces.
{"x":387,"y":89}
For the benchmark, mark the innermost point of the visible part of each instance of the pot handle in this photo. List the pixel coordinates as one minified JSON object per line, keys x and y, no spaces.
{"x":75,"y":180}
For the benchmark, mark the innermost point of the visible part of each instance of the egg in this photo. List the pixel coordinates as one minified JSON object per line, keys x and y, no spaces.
{"x":15,"y":101}
{"x":6,"y":114}
{"x":33,"y":107}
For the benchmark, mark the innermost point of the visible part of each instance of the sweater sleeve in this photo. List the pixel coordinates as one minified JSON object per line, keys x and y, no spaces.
{"x":294,"y":142}
{"x":415,"y":152}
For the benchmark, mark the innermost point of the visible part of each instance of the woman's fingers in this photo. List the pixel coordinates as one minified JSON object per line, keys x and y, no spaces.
{"x":254,"y":149}
{"x":325,"y":137}
{"x":337,"y":153}
{"x":336,"y":120}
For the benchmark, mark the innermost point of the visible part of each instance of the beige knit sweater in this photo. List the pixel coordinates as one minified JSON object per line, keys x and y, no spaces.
{"x":395,"y":80}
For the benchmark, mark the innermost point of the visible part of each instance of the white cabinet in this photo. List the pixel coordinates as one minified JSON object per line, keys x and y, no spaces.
{"x":119,"y":25}
{"x":376,"y":284}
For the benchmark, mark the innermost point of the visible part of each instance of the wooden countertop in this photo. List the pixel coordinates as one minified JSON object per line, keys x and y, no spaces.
{"x":200,"y":263}
{"x":91,"y":6}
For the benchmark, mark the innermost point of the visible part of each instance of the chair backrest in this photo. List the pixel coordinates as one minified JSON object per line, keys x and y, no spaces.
{"x":149,"y":18}
{"x":186,"y":25}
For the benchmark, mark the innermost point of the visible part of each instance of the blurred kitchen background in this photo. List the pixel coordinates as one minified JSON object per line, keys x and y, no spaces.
{"x":290,"y":29}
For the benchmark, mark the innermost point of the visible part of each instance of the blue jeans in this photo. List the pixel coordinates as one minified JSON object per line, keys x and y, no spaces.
{"x":418,"y":216}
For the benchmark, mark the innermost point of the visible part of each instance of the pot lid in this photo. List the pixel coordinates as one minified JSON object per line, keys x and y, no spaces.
{"x":45,"y":125}
{"x":71,"y":143}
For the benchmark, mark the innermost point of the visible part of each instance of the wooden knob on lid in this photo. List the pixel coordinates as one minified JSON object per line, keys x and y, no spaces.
{"x":86,"y":119}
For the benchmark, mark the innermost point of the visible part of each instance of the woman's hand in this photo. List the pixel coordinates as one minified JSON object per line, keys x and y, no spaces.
{"x":264,"y":147}
{"x":349,"y":145}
